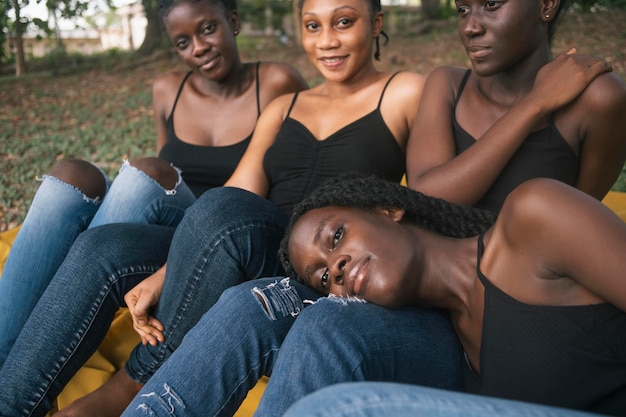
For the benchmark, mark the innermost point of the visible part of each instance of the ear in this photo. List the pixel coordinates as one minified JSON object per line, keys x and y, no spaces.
{"x":378,"y":23}
{"x":235,"y":21}
{"x":395,"y":214}
{"x":549,"y":9}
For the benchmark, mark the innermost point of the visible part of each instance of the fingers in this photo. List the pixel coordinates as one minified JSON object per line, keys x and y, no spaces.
{"x":151,"y":333}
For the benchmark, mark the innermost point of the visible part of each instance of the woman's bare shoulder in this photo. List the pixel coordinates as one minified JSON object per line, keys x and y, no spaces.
{"x":274,"y":74}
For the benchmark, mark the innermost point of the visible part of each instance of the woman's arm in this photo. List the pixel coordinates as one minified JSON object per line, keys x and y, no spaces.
{"x":567,"y":234}
{"x":250,"y":174}
{"x":164,"y":91}
{"x":602,"y":107}
{"x":435,"y":169}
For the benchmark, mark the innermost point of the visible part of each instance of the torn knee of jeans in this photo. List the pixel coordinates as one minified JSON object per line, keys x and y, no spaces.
{"x":343,"y":300}
{"x":279,"y":299}
{"x":168,"y":400}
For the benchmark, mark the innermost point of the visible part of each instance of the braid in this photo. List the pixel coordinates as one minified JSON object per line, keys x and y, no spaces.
{"x":370,"y":192}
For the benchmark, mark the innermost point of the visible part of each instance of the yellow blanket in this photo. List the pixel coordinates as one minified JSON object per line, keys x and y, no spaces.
{"x":121,"y":338}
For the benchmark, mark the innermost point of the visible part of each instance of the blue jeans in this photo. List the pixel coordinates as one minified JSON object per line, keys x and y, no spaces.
{"x":228,"y":236}
{"x":58,"y":214}
{"x":263,"y":328}
{"x":399,"y":400}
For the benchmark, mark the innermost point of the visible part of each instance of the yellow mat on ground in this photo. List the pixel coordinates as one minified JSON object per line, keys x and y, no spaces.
{"x":121,"y":338}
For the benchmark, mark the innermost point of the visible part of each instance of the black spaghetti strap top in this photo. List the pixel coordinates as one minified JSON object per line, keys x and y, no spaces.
{"x":545,"y":153}
{"x":566,"y":356}
{"x":297,"y":162}
{"x":204,"y":167}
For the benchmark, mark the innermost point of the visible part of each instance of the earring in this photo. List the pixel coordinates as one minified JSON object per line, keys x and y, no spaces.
{"x":547,"y":16}
{"x":236,"y":32}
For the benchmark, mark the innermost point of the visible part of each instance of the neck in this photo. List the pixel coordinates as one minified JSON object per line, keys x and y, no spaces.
{"x":448,"y":273}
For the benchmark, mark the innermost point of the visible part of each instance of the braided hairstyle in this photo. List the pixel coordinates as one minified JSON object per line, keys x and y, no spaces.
{"x":166,"y":5}
{"x":375,"y":7}
{"x":371,"y":192}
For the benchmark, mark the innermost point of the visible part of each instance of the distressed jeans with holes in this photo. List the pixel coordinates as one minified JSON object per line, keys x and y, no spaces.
{"x":58,"y":214}
{"x":228,"y":236}
{"x":267,"y":327}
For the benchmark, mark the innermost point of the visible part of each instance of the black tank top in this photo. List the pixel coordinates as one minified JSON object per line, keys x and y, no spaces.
{"x":297,"y":162}
{"x":203,"y":167}
{"x":544,"y":153}
{"x":572,"y":356}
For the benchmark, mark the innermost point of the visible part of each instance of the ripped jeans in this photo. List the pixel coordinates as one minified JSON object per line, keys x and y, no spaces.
{"x":228,"y":236}
{"x":58,"y":214}
{"x":262,"y":327}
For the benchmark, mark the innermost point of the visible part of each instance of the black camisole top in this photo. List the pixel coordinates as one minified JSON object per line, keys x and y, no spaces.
{"x":545,"y":153}
{"x":297,"y":162}
{"x":570,"y":356}
{"x":203,"y":167}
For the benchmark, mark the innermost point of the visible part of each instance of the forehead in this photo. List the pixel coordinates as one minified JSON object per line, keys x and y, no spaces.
{"x":313,"y":5}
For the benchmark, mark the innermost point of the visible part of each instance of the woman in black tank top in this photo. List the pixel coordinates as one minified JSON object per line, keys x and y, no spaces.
{"x":518,"y":113}
{"x":540,"y":311}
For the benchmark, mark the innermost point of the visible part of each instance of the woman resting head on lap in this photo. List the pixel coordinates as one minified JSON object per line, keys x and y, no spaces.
{"x":537,"y":297}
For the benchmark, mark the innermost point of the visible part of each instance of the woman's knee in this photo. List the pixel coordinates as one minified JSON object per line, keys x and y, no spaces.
{"x":83,"y":175}
{"x":159,"y":170}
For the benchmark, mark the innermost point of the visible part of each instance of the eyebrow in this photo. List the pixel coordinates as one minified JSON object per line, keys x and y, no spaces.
{"x":320,"y":228}
{"x":335,"y":10}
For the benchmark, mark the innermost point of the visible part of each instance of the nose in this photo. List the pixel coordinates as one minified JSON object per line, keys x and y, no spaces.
{"x":327,"y":39}
{"x":336,"y":269}
{"x":199,"y":46}
{"x":472,"y":24}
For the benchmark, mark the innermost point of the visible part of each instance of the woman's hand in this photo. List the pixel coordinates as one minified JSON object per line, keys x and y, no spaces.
{"x":140,"y":301}
{"x":562,"y":80}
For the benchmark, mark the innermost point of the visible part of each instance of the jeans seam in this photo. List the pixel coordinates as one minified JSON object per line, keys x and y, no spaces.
{"x":59,"y":366}
{"x":191,"y":290}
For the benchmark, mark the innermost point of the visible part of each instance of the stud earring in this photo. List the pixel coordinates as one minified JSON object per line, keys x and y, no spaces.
{"x":547,"y":16}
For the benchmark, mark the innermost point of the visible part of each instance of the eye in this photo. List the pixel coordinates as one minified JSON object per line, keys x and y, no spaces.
{"x":311,"y":26}
{"x":337,"y":237}
{"x":344,"y":23}
{"x":181,"y":44}
{"x":492,"y":5}
{"x":324,"y":280}
{"x":209,"y":29}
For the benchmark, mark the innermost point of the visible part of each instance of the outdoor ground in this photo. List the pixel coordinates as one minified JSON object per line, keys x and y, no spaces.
{"x":105,"y":115}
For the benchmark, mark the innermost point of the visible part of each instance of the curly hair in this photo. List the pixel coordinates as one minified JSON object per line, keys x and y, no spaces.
{"x":371,"y":192}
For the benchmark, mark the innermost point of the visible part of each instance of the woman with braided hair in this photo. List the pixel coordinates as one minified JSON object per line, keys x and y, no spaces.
{"x":538,"y":305}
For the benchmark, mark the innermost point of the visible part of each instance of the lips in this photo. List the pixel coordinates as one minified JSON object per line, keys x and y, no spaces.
{"x":208,"y":64}
{"x":477,"y":51}
{"x":332,"y":61}
{"x":357,"y":275}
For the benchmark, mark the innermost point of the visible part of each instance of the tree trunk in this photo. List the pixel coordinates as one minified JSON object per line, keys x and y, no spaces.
{"x":155,"y":37}
{"x":20,"y":61}
{"x":297,"y":32}
{"x":430,"y":9}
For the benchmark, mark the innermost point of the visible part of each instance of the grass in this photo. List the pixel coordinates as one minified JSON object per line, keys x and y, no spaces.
{"x":99,"y":108}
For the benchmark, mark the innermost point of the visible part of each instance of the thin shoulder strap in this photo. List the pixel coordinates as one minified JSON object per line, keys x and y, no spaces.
{"x":258,"y":97}
{"x":462,"y":86}
{"x":293,"y":101}
{"x":180,"y":89}
{"x":380,"y":100}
